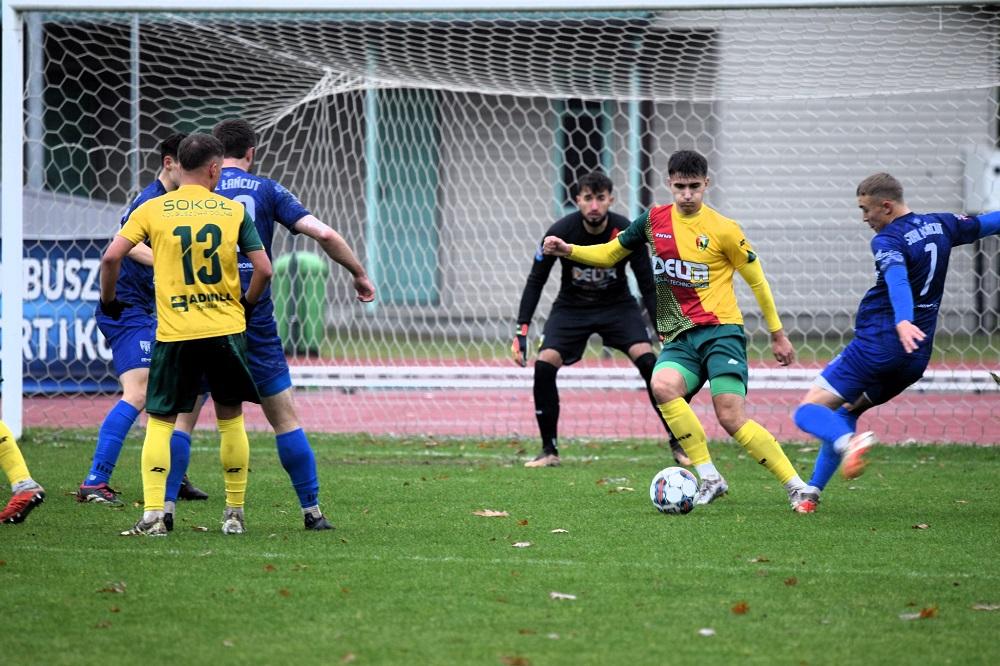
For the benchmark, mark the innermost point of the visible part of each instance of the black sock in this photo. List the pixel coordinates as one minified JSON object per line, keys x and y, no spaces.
{"x":547,"y":405}
{"x":645,"y":364}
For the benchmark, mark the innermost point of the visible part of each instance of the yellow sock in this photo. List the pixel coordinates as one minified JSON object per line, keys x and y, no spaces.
{"x":235,"y":455}
{"x":156,"y":462}
{"x":11,"y":459}
{"x":765,"y":449}
{"x":687,"y":429}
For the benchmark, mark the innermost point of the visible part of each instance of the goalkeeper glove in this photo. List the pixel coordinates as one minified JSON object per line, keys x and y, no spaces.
{"x":114,"y":308}
{"x":519,"y":348}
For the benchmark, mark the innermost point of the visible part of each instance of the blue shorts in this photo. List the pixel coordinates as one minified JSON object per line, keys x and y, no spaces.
{"x":877,"y":373}
{"x":265,"y":353}
{"x":131,"y":338}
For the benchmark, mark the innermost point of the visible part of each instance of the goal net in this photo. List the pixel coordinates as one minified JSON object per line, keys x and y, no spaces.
{"x":442,"y":145}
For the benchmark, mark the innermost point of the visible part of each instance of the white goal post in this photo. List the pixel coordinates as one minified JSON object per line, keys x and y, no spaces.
{"x":442,"y":138}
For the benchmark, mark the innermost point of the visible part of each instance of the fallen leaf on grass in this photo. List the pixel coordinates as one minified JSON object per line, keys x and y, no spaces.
{"x":205,"y":554}
{"x":562,"y":596}
{"x":114,"y":588}
{"x":552,"y":637}
{"x":522,"y":544}
{"x":269,"y":568}
{"x":707,"y":631}
{"x":103,"y":624}
{"x":622,"y":489}
{"x":740,"y":608}
{"x":348,"y":658}
{"x":490,"y":513}
{"x":559,"y":530}
{"x":3,"y":563}
{"x":199,"y":528}
{"x":921,"y":526}
{"x":515,"y":661}
{"x":526,"y":632}
{"x":924,"y":614}
{"x":227,"y":643}
{"x":284,"y":592}
{"x":791,"y":581}
{"x":759,"y":558}
{"x":115,"y":609}
{"x":986,"y":607}
{"x":522,"y":523}
{"x":961,"y":501}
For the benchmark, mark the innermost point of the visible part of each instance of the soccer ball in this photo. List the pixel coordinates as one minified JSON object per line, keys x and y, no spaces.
{"x":673,"y":489}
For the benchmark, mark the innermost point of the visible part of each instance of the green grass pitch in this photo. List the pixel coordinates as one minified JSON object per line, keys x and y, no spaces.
{"x":897,"y":567}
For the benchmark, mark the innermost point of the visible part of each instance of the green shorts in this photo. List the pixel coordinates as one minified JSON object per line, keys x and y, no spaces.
{"x":178,"y":369}
{"x":707,"y":352}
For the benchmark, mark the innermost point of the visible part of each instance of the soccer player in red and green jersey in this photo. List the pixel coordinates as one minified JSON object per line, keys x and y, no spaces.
{"x":696,"y":251}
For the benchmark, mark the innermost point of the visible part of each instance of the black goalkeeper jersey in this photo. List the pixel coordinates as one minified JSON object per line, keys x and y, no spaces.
{"x":583,"y":285}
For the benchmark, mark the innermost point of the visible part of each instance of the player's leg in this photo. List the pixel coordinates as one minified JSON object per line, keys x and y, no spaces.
{"x":645,"y":361}
{"x":174,"y":374}
{"x":274,"y":383}
{"x":546,"y":396}
{"x":724,"y":350}
{"x":178,"y":485}
{"x":131,"y":339}
{"x":563,"y":342}
{"x":232,"y":384}
{"x":26,"y":493}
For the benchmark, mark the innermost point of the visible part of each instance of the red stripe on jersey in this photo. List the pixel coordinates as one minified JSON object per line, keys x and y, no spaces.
{"x":661,"y":228}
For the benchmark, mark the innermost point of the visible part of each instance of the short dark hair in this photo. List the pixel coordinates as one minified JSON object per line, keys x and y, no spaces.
{"x":170,"y":145}
{"x":596,"y":182}
{"x":687,"y":163}
{"x":197,"y":150}
{"x":881,"y":186}
{"x":236,"y":135}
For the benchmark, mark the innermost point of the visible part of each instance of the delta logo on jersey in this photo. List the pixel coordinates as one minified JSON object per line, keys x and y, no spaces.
{"x":680,"y":273}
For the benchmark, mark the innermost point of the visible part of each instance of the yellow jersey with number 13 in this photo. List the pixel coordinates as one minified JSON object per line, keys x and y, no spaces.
{"x":194,"y":234}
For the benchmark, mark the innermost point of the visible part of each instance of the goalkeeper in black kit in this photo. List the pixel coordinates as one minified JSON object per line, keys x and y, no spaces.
{"x":591,"y":300}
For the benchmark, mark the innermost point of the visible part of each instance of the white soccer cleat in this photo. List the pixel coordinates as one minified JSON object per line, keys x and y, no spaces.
{"x":854,"y":458}
{"x":710,"y":489}
{"x":232,"y":521}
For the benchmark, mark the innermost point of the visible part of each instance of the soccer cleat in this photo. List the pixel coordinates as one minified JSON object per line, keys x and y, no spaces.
{"x":854,"y":458}
{"x":188,"y":491}
{"x":544,"y":460}
{"x":168,"y":521}
{"x":710,"y":489}
{"x":314,"y":523}
{"x":680,"y":457}
{"x":804,"y":501}
{"x":232,"y":521}
{"x":153,"y":528}
{"x":102,"y":493}
{"x":21,"y":504}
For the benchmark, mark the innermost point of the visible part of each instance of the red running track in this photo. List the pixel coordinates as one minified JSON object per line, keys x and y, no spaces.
{"x":920,"y":417}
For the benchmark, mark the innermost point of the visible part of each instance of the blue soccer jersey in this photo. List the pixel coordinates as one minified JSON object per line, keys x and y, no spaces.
{"x":135,"y":281}
{"x":267,"y":202}
{"x":921,"y":243}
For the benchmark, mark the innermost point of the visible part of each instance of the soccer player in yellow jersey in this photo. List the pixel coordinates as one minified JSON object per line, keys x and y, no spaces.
{"x":26,"y":494}
{"x":201,"y":320}
{"x":696,"y":251}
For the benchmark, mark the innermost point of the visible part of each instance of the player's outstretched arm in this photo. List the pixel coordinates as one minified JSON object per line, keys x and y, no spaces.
{"x":604,"y":255}
{"x":336,"y":248}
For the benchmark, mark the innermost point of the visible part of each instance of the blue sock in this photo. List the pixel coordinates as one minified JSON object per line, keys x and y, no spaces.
{"x":828,"y":426}
{"x":110,"y":438}
{"x":180,"y":456}
{"x":298,"y":460}
{"x":850,"y":418}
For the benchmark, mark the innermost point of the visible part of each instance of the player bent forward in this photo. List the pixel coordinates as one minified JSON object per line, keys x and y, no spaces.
{"x":893,"y":329}
{"x":696,"y":251}
{"x":201,"y":320}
